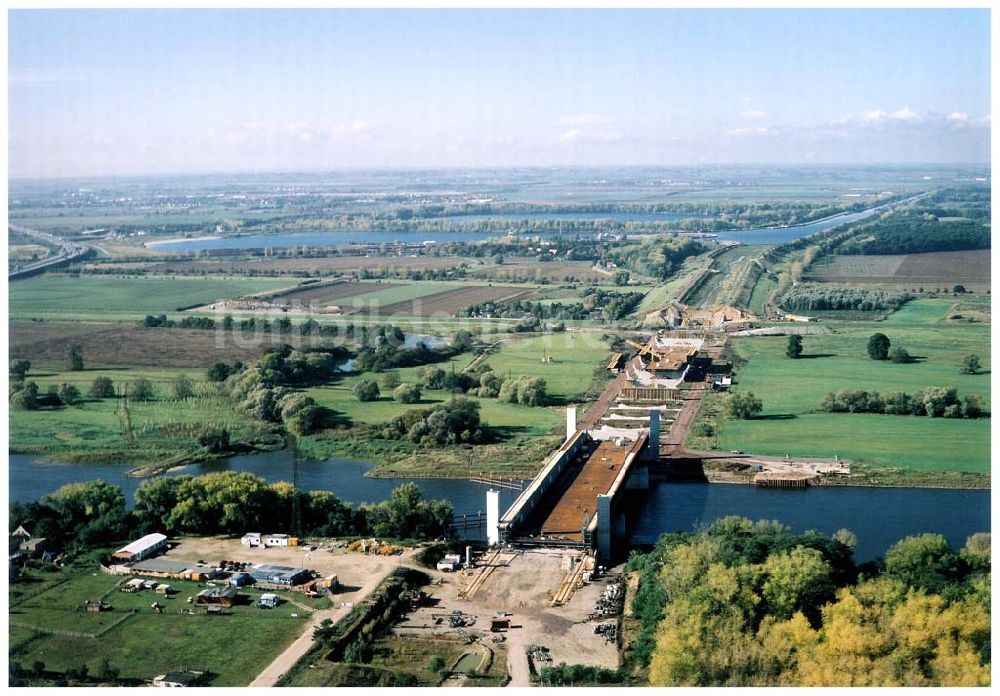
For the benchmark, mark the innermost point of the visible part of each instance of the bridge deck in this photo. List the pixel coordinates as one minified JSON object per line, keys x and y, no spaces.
{"x":595,"y":477}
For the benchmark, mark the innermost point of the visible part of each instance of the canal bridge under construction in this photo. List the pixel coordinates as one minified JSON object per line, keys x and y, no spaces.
{"x":580,"y":497}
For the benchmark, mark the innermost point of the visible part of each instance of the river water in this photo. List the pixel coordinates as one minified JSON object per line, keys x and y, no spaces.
{"x":878,"y":516}
{"x":763,"y":235}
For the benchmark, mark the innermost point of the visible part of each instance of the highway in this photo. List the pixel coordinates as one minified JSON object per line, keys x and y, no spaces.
{"x":67,"y":252}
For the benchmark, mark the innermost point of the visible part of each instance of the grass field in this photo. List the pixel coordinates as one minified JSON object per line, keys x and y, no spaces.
{"x":574,"y":357}
{"x":761,"y":291}
{"x":510,"y":418}
{"x":792,"y":389}
{"x":147,"y":644}
{"x":164,"y":429}
{"x":122,"y":345}
{"x":659,"y":294}
{"x":100,"y":297}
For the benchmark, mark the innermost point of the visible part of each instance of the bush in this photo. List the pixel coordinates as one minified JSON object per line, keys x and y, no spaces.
{"x":25,"y":398}
{"x":214,"y":439}
{"x":102,"y":388}
{"x":75,"y":359}
{"x":436,"y":664}
{"x":366,"y":390}
{"x":390,"y":380}
{"x":970,"y":365}
{"x":433,"y":377}
{"x":182,"y":387}
{"x":141,"y":390}
{"x":743,"y":405}
{"x":878,"y":346}
{"x":794,"y":348}
{"x":218,"y":372}
{"x":899,"y":355}
{"x":407,"y":393}
{"x":69,"y":394}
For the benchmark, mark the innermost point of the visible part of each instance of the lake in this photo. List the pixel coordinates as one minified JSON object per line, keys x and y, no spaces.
{"x":878,"y":516}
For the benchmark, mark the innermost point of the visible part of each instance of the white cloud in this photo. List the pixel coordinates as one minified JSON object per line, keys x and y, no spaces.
{"x":749,"y":132}
{"x":579,"y":135}
{"x":958,"y":116}
{"x":755,"y":113}
{"x":873,"y":116}
{"x":904,"y":114}
{"x":583,"y":120}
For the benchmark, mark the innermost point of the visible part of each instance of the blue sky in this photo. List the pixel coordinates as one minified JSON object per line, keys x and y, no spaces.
{"x":133,"y":92}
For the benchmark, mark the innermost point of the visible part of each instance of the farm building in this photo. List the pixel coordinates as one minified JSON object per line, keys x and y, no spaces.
{"x":133,"y":585}
{"x":170,"y":568}
{"x":257,"y":540}
{"x":145,"y":547}
{"x":265,"y":574}
{"x":35,"y":547}
{"x":268,"y":601}
{"x":280,"y":540}
{"x":223,"y":596}
{"x":240,"y":579}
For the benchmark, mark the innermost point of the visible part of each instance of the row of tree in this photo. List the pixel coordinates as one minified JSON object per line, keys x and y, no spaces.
{"x":595,"y":303}
{"x":936,"y":402}
{"x":825,"y":298}
{"x":88,"y":514}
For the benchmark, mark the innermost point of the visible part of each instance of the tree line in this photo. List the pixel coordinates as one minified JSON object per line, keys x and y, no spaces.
{"x":596,"y":303}
{"x":935,"y":402}
{"x":744,"y":603}
{"x":807,"y":299}
{"x":84,"y":515}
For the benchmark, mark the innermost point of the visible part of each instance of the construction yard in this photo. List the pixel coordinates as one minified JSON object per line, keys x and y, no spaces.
{"x":239,"y":646}
{"x":520,"y":587}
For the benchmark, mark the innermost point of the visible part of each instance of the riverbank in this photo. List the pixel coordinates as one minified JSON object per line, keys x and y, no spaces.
{"x":861,"y":476}
{"x":518,"y":456}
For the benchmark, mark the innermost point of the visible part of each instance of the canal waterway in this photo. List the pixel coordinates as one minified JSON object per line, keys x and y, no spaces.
{"x":762,"y":235}
{"x":878,"y":516}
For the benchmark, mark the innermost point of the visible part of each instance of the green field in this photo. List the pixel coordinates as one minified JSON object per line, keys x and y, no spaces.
{"x":791,"y":391}
{"x":574,"y":357}
{"x":511,"y":418}
{"x":234,"y":647}
{"x":163,"y":429}
{"x":101,"y":297}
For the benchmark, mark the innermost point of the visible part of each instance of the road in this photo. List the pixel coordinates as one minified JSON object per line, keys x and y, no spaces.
{"x":67,"y":252}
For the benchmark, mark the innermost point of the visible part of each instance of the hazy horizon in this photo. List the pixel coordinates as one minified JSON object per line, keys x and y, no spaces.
{"x":108,"y":93}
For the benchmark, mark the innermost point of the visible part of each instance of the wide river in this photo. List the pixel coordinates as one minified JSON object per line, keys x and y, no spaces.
{"x":763,"y":235}
{"x":879,"y":516}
